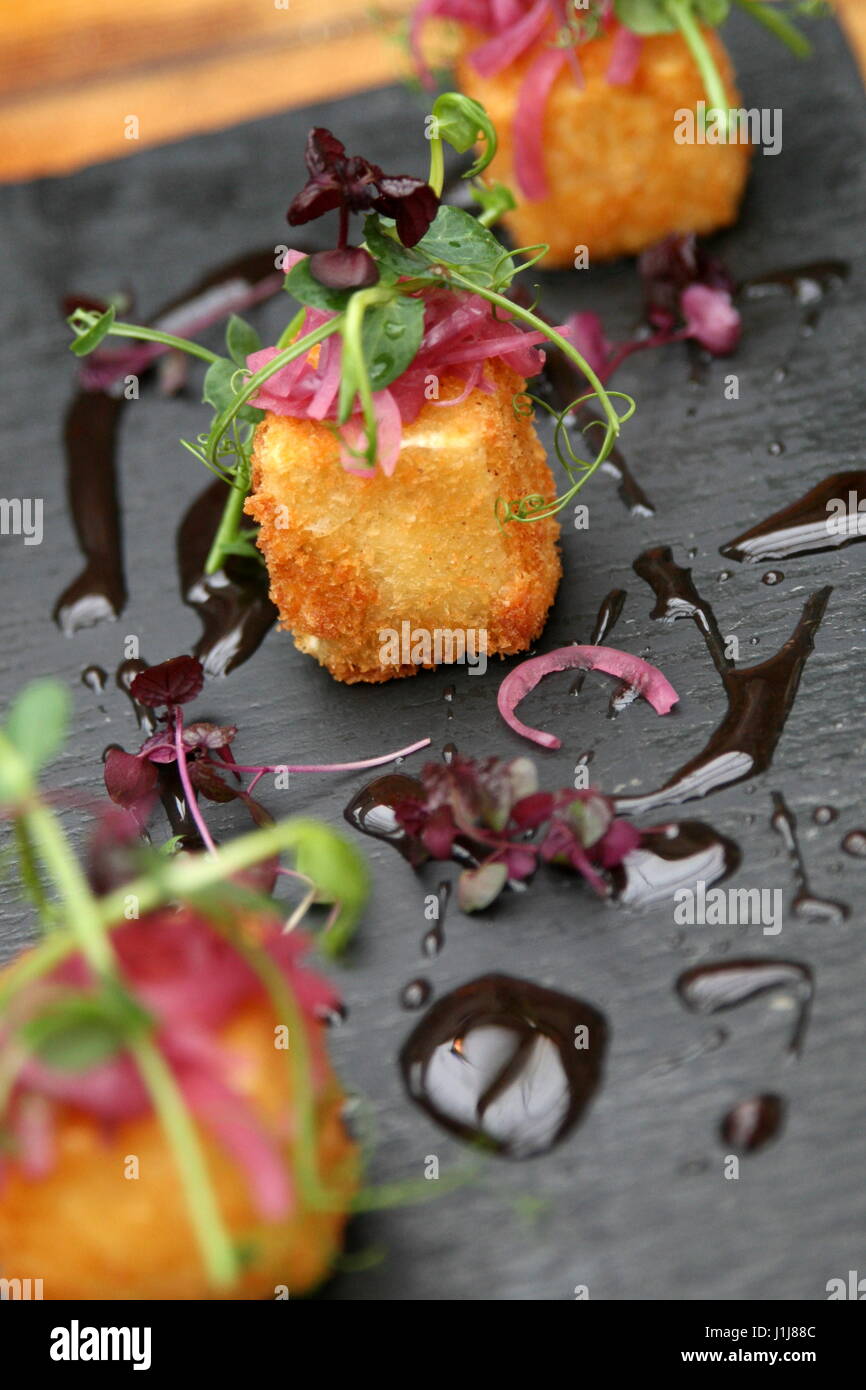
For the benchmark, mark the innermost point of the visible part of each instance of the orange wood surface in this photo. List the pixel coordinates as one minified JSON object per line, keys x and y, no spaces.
{"x":73,"y":72}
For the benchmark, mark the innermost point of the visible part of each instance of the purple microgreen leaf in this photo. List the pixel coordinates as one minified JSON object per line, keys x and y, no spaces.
{"x":129,"y":780}
{"x":520,"y":862}
{"x":532,"y":811}
{"x":204,"y":735}
{"x":172,"y":682}
{"x":412,"y":204}
{"x":620,"y":839}
{"x":208,"y":781}
{"x":439,"y":834}
{"x":159,"y":748}
{"x":353,"y":184}
{"x":349,"y":268}
{"x":711,"y":319}
{"x":322,"y":151}
{"x":260,"y":814}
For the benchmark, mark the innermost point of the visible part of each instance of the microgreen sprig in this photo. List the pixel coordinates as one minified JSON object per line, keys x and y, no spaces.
{"x":380,"y":324}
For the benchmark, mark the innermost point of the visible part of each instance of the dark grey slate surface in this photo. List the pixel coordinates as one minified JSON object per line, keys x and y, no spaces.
{"x":638,"y":1206}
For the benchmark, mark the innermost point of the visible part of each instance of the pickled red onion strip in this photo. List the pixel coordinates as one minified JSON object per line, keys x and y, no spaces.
{"x":647,"y":680}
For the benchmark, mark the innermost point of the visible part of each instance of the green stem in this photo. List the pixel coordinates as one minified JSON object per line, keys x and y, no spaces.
{"x":683,"y":16}
{"x":218,"y":1253}
{"x":155,"y":335}
{"x":30,"y":876}
{"x":436,"y":178}
{"x":232,"y":515}
{"x":80,"y":905}
{"x":778,"y":24}
{"x":357,"y":377}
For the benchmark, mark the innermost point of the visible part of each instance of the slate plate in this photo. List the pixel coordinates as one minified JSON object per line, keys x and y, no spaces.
{"x":638,"y":1205}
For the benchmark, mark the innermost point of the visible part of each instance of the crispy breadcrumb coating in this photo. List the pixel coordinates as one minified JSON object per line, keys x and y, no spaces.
{"x":618,"y":180}
{"x":350,"y":558}
{"x":91,"y":1232}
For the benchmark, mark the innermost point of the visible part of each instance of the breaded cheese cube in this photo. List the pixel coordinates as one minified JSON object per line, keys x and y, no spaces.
{"x":618,"y":180}
{"x":352,"y":559}
{"x":92,"y":1232}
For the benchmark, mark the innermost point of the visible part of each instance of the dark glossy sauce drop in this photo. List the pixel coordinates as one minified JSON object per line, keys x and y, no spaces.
{"x":90,"y":437}
{"x":94,"y":678}
{"x":752,"y":1123}
{"x":416,"y":993}
{"x":827,"y":517}
{"x":448,"y":696}
{"x":630,"y":492}
{"x":676,"y":597}
{"x":449,"y":752}
{"x":124,"y":676}
{"x":506,"y":1064}
{"x":759,"y":697}
{"x":609,"y":613}
{"x":805,"y":904}
{"x":808,"y":285}
{"x":854,"y":844}
{"x":670,"y":857}
{"x":434,"y":939}
{"x":90,"y":442}
{"x":824,"y":815}
{"x":719,"y":985}
{"x":372,"y":812}
{"x":234,"y":606}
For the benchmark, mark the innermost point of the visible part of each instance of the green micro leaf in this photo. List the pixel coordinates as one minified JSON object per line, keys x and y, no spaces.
{"x":644,"y":16}
{"x":220,"y":388}
{"x":390,"y":338}
{"x":461,"y":122}
{"x":38,"y":721}
{"x":458,"y":239}
{"x":82,"y":1030}
{"x":712,"y":12}
{"x":388,"y":253}
{"x":341,"y":877}
{"x":93,"y":336}
{"x":305,"y":288}
{"x":241,"y":340}
{"x":494,"y":199}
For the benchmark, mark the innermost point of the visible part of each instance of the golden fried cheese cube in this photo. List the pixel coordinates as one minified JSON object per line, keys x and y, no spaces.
{"x":618,"y":179}
{"x":91,"y":1231}
{"x":352,"y":560}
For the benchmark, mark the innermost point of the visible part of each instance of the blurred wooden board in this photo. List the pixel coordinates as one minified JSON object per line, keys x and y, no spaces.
{"x":72,"y":75}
